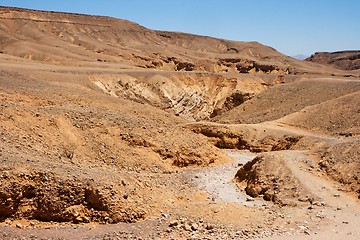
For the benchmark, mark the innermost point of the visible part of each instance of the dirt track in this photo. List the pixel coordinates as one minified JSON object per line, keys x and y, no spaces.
{"x":218,"y":181}
{"x":338,"y":214}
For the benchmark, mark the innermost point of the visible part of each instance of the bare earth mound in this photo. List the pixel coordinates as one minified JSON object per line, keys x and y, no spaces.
{"x":272,"y":177}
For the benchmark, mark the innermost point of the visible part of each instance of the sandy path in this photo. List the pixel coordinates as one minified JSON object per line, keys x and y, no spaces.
{"x":281,"y":126}
{"x":218,"y":181}
{"x":342,"y":211}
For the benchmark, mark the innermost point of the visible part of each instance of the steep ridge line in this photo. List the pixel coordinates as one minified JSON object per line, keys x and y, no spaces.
{"x":54,"y":21}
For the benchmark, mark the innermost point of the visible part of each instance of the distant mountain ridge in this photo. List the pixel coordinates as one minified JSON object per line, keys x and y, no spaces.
{"x":300,"y":56}
{"x":72,"y":39}
{"x":345,"y":60}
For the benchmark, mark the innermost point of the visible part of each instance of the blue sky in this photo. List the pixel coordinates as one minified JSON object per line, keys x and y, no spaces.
{"x":291,"y":26}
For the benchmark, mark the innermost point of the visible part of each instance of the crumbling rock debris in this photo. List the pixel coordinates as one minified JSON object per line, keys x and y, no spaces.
{"x":226,"y":138}
{"x":286,"y":143}
{"x":45,"y":197}
{"x":186,"y":66}
{"x":233,"y":100}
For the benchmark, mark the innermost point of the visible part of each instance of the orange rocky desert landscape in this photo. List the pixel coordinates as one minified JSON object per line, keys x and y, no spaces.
{"x":110,"y":130}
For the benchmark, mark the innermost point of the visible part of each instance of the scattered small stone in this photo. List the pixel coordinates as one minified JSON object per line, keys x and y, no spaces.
{"x":307,"y":232}
{"x":18,"y":225}
{"x":319,"y":204}
{"x":336,"y":195}
{"x":303,"y":227}
{"x":345,"y":222}
{"x":209,"y":227}
{"x":303,"y":199}
{"x":194,"y":226}
{"x":86,"y":219}
{"x":173,"y":223}
{"x":187,"y":227}
{"x":250,"y":199}
{"x":338,"y":208}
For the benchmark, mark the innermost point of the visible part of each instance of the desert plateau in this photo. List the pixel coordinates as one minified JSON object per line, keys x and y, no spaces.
{"x":110,"y":130}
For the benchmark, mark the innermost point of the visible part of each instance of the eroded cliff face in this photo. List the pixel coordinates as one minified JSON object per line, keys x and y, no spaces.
{"x":197,"y":96}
